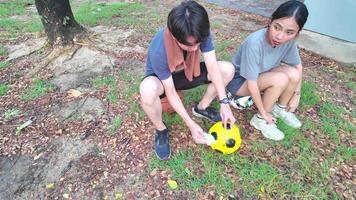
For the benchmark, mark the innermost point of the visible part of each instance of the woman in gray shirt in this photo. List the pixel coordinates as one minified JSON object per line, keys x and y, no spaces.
{"x":258,"y":69}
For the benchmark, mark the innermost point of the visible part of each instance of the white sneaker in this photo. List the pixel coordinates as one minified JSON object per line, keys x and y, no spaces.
{"x":288,"y":117}
{"x":270,"y":131}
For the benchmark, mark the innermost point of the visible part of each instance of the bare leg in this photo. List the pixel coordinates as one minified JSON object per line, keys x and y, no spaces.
{"x":272,"y":84}
{"x":294,"y":78}
{"x":150,"y":89}
{"x":227,"y":72}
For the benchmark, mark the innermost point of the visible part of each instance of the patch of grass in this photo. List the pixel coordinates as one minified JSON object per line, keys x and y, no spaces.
{"x":3,"y":65}
{"x":194,"y":175}
{"x":333,"y":119}
{"x":9,"y":8}
{"x":92,"y":13}
{"x":351,"y":85}
{"x":100,"y":82}
{"x":3,"y":51}
{"x":289,"y":132}
{"x":172,"y":118}
{"x":346,"y":153}
{"x":194,"y":95}
{"x":16,"y":26}
{"x":38,"y":89}
{"x":116,"y":124}
{"x":3,"y":89}
{"x":308,"y":95}
{"x":216,"y":24}
{"x":12,"y":113}
{"x":110,"y":82}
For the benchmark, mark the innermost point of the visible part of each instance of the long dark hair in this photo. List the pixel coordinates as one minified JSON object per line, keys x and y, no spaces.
{"x":294,"y":9}
{"x":189,"y":19}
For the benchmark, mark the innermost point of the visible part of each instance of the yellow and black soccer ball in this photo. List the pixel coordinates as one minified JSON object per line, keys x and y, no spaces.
{"x":227,"y":140}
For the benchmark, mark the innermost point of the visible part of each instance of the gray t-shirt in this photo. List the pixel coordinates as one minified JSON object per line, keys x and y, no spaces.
{"x":255,"y":55}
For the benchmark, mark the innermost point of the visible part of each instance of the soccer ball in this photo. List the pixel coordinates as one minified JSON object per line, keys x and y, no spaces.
{"x":227,"y":140}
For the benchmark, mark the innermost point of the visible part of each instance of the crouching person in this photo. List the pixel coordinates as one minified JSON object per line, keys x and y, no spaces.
{"x":173,"y":63}
{"x":275,"y":89}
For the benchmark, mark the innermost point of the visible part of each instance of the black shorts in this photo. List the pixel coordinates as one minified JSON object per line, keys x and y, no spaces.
{"x":182,"y":83}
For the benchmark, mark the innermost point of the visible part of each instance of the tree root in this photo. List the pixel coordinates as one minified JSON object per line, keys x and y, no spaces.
{"x":55,"y":53}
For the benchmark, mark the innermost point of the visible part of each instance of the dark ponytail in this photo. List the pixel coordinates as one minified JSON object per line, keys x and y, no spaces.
{"x":294,"y":9}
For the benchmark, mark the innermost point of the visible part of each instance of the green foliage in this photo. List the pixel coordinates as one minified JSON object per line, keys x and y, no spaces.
{"x":110,"y":82}
{"x":309,"y":97}
{"x":346,"y":153}
{"x":38,"y":89}
{"x":116,"y":124}
{"x":3,"y":51}
{"x":3,"y":65}
{"x":194,"y":95}
{"x":16,"y":26}
{"x":92,"y":13}
{"x":9,"y":8}
{"x":333,"y":119}
{"x":12,"y":113}
{"x":3,"y":89}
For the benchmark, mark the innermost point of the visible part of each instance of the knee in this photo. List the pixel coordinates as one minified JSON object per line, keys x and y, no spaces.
{"x":149,"y":90}
{"x":227,"y":71}
{"x":293,"y":75}
{"x":280,"y":80}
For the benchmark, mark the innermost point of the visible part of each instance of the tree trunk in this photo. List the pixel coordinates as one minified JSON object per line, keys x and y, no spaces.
{"x":58,"y":21}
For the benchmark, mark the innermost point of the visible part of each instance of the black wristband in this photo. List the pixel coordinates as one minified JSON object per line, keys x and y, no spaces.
{"x":224,"y":101}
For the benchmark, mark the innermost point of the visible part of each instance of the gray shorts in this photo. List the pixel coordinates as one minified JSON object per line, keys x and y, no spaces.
{"x":236,"y":83}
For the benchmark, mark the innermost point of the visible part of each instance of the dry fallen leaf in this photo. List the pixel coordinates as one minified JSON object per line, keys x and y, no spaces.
{"x":50,"y":186}
{"x":118,"y":195}
{"x":172,"y":184}
{"x":65,"y":195}
{"x":74,"y":93}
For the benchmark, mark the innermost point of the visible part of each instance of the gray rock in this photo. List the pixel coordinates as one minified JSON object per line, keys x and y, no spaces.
{"x":23,"y":49}
{"x":72,"y":71}
{"x":25,"y":178}
{"x":85,"y":109}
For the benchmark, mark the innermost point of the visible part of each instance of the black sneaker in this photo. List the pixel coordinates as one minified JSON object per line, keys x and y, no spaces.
{"x":208,"y":113}
{"x":162,"y":149}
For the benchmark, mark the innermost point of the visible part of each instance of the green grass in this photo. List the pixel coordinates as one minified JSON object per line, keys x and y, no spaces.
{"x":3,"y":50}
{"x":9,"y":8}
{"x":347,"y":77}
{"x":38,"y":89}
{"x":94,"y":13}
{"x":220,"y":48}
{"x":194,"y":95}
{"x":198,"y":169}
{"x":110,"y":82}
{"x":346,"y":153}
{"x":3,"y":89}
{"x":116,"y":124}
{"x":333,"y":120}
{"x":12,"y":113}
{"x":216,"y":24}
{"x":4,"y":65}
{"x":14,"y":26}
{"x":308,"y":95}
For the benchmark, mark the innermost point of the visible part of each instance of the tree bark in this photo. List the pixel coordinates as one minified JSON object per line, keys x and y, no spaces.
{"x":58,"y":21}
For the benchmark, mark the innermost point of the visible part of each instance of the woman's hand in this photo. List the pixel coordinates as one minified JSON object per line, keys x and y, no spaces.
{"x":293,"y":103}
{"x":269,"y":118}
